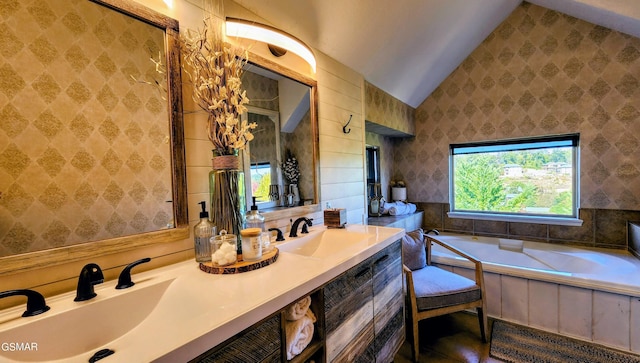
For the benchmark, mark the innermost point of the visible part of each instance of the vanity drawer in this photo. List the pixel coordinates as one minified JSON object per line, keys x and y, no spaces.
{"x":343,"y":287}
{"x":257,"y":344}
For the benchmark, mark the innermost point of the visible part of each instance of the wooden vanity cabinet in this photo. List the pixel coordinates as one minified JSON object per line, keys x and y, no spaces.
{"x":348,"y":313}
{"x":364,"y":310}
{"x":360,"y":318}
{"x":265,"y":341}
{"x":260,"y":343}
{"x":388,"y":302}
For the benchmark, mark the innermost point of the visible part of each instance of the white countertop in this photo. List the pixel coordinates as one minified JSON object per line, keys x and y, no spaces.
{"x":199,"y":310}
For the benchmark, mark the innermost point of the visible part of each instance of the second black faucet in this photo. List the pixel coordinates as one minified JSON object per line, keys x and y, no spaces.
{"x":91,"y":274}
{"x":294,"y":227}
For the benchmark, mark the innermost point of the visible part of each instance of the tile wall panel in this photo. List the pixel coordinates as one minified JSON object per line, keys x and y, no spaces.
{"x":493,"y":291}
{"x":634,"y":335}
{"x":605,"y":228}
{"x":515,"y":299}
{"x":575,"y":312}
{"x":611,"y":318}
{"x":543,"y":305}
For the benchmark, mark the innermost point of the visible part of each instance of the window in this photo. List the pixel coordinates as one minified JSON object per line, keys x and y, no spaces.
{"x":533,"y":180}
{"x":373,"y":169}
{"x":261,"y":181}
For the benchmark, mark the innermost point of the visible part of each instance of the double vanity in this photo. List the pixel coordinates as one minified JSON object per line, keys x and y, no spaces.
{"x":179,"y":313}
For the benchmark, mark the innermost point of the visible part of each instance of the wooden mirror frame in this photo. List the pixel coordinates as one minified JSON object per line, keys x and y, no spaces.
{"x":290,"y":212}
{"x":57,"y":256}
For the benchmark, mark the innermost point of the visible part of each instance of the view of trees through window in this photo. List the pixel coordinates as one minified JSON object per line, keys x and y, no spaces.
{"x":260,"y":181}
{"x":530,"y":181}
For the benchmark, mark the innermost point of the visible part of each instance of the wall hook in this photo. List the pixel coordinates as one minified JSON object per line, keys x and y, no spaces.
{"x":344,"y":128}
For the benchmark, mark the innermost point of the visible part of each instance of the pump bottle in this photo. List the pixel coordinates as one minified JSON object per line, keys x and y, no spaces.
{"x":202,"y":233}
{"x":253,"y":218}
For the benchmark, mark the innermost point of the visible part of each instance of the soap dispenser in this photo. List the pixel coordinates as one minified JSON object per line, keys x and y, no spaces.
{"x":254,"y":219}
{"x":202,"y":233}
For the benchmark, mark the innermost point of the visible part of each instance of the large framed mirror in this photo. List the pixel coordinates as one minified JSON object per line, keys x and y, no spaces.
{"x":92,"y":157}
{"x":283,"y":104}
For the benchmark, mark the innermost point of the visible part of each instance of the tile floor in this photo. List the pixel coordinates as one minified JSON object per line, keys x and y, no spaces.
{"x":453,"y":338}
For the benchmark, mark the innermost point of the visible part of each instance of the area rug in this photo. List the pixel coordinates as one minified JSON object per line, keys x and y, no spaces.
{"x":519,"y":344}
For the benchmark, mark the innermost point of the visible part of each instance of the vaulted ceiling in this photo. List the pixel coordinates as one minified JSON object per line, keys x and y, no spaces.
{"x":408,"y":47}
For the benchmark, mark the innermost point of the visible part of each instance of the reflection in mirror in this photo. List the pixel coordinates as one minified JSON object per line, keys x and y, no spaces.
{"x":282,"y":109}
{"x":263,"y":159}
{"x":87,"y":153}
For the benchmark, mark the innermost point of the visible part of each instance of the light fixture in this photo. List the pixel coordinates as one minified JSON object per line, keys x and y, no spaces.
{"x":271,"y":36}
{"x":169,"y":3}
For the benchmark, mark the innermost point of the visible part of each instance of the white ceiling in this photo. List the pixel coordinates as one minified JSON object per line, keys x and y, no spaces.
{"x":408,"y":47}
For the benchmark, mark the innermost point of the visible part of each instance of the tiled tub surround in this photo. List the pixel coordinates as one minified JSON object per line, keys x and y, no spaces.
{"x":602,"y":228}
{"x":594,"y":296}
{"x":634,"y":238}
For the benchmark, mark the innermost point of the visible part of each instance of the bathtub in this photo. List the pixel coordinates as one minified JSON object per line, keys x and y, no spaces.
{"x":604,"y":269}
{"x":586,"y":293}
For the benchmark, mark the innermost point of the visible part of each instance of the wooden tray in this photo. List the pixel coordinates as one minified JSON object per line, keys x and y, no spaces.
{"x":242,"y":266}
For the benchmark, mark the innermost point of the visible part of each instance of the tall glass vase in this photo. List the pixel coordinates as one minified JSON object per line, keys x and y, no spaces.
{"x":226,"y":187}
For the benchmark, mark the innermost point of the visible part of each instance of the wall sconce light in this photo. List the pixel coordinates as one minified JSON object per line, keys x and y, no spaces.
{"x":271,"y":36}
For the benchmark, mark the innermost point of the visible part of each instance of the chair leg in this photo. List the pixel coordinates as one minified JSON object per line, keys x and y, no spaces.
{"x":484,"y":326}
{"x":415,"y":345}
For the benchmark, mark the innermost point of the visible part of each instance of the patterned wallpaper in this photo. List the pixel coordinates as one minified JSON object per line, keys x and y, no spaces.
{"x":386,"y":115}
{"x":262,"y":147}
{"x":262,"y":91}
{"x":539,"y":73}
{"x":298,"y":142}
{"x":84,"y":151}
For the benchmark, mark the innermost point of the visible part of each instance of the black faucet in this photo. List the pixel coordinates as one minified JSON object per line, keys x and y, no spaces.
{"x":124,"y":280}
{"x":35,"y":301}
{"x":90,"y":275}
{"x":294,"y":227}
{"x":435,"y":231}
{"x":279,"y":236}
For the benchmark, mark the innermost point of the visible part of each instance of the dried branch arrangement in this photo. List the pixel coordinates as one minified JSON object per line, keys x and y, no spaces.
{"x":215,"y":72}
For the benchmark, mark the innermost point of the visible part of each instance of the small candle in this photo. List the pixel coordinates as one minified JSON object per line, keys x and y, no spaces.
{"x":251,"y":244}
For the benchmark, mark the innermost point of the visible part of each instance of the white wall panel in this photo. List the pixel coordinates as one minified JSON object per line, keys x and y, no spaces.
{"x":340,"y":94}
{"x":611,"y":316}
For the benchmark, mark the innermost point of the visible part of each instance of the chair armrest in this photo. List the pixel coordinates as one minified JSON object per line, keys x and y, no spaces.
{"x":409,"y":289}
{"x":478,"y":264}
{"x":452,"y":249}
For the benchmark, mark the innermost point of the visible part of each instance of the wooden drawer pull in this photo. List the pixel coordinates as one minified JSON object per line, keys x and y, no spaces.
{"x":383,"y":258}
{"x":362,"y":273}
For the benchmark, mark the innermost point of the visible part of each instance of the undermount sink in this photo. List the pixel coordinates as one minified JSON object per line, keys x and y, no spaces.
{"x":325,"y":243}
{"x":71,"y":328}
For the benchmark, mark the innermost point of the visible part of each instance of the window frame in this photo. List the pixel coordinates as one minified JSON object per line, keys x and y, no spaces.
{"x":528,"y":143}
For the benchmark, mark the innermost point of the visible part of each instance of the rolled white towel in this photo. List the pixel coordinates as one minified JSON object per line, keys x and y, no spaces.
{"x":399,"y":208}
{"x":299,"y":309}
{"x":388,"y":205}
{"x":299,"y":334}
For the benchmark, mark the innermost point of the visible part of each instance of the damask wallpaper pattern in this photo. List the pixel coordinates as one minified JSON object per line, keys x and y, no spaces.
{"x":539,"y":73}
{"x":84,"y":149}
{"x":386,"y":115}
